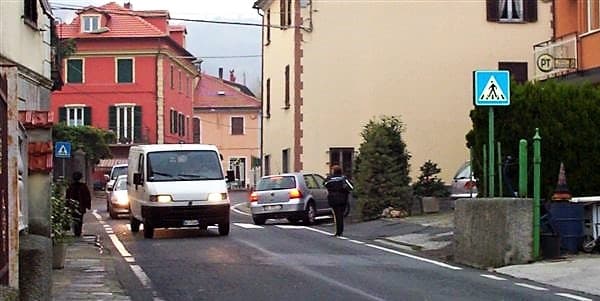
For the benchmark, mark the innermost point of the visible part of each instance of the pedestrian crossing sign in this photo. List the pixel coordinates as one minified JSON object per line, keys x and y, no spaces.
{"x":491,"y":88}
{"x":62,"y":149}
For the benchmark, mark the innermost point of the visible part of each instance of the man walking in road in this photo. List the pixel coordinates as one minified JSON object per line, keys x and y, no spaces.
{"x":80,"y":194}
{"x":338,"y":188}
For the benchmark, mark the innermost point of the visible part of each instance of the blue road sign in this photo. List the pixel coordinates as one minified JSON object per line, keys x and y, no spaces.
{"x":491,"y":88}
{"x":62,"y":149}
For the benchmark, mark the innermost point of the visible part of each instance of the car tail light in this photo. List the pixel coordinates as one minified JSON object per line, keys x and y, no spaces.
{"x":295,"y":194}
{"x":254,"y":197}
{"x":470,"y":185}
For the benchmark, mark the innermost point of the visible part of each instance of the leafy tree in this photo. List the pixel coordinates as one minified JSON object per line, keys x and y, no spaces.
{"x":381,"y":169}
{"x":568,"y":117}
{"x":93,"y":141}
{"x":429,"y":184}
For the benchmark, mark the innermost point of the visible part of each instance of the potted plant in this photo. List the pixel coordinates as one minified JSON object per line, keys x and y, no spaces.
{"x":429,"y":187}
{"x":61,"y":220}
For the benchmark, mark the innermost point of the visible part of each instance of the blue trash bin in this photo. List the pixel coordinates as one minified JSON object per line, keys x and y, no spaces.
{"x":567,"y":219}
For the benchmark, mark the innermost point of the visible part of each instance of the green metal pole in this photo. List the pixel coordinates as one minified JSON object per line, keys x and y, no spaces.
{"x":523,"y":168}
{"x":537,"y":162}
{"x":485,"y":171}
{"x":491,"y":179}
{"x":500,"y":192}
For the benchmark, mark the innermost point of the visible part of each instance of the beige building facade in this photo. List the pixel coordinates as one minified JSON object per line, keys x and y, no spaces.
{"x":331,"y":66}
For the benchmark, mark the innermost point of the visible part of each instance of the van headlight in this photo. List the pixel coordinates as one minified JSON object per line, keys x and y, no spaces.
{"x":217,"y":197}
{"x":161,"y":198}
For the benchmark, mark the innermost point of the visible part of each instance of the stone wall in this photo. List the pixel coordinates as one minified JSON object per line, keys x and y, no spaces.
{"x":493,"y":232}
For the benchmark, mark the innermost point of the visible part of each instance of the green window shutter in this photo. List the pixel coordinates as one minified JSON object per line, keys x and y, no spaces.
{"x":62,"y":114}
{"x":137,"y":124}
{"x":493,"y":14}
{"x":125,"y":70}
{"x":87,"y":115}
{"x":75,"y":71}
{"x":112,"y":119}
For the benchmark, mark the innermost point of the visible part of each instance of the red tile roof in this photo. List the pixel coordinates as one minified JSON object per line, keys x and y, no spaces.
{"x":122,"y":23}
{"x":215,"y":93}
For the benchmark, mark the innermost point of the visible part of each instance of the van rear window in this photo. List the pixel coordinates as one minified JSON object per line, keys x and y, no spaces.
{"x":276,"y":183}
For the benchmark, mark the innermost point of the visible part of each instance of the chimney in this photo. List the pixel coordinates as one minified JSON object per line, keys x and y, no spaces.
{"x":221,"y":73}
{"x":127,"y":5}
{"x":232,"y":76}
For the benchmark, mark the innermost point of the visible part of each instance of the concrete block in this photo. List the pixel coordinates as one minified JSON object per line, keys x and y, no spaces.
{"x":430,"y":204}
{"x":493,"y":232}
{"x":35,"y":268}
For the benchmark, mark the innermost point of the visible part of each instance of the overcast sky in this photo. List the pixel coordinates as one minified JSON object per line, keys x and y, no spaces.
{"x":205,"y":40}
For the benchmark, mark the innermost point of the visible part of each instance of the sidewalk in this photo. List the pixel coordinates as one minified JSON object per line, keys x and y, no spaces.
{"x":89,"y":272}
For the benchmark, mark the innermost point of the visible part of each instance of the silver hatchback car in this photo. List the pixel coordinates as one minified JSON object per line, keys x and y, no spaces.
{"x":295,"y":196}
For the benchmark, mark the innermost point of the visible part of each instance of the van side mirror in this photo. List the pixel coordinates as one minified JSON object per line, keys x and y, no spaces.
{"x":230,"y":176}
{"x":137,"y":178}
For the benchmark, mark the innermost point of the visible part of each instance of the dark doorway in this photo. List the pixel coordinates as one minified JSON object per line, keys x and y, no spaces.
{"x":342,"y":156}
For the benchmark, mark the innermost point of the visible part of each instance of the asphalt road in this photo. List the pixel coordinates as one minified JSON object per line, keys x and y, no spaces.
{"x":280,"y":261}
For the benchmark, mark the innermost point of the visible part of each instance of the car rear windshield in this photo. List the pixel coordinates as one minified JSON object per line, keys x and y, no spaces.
{"x":276,"y":183}
{"x":118,"y":171}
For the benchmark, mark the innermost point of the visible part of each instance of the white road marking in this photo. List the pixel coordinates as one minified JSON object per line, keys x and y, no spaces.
{"x":95,"y":213}
{"x":318,"y":231}
{"x":343,"y":238}
{"x":248,"y":226}
{"x":119,"y":246}
{"x":356,"y":241}
{"x":323,"y":217}
{"x":533,"y":287}
{"x":141,"y":275}
{"x":574,"y":297}
{"x":129,"y":259}
{"x":492,"y":277}
{"x":441,"y":264}
{"x":238,"y":211}
{"x":290,"y":227}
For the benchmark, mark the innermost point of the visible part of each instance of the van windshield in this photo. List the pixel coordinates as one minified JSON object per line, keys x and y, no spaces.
{"x":186,"y":165}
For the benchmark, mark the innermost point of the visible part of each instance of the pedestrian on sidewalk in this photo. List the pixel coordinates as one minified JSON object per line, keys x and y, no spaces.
{"x":338,"y":188}
{"x":79,"y":193}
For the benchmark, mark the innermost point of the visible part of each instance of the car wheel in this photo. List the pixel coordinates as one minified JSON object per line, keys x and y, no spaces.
{"x":224,"y":228}
{"x":347,"y":210}
{"x":112,"y":213}
{"x":134,"y":223}
{"x":258,"y":220}
{"x":310,"y":214}
{"x":148,"y":230}
{"x":203,"y":226}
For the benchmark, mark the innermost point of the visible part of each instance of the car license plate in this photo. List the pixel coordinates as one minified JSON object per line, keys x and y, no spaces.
{"x":191,"y":222}
{"x":272,"y":207}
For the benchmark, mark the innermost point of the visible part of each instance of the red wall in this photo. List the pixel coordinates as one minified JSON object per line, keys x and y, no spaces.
{"x":100,"y":90}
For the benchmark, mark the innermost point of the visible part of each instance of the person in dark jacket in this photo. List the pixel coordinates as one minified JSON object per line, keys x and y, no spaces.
{"x":80,"y":194}
{"x":338,"y":188}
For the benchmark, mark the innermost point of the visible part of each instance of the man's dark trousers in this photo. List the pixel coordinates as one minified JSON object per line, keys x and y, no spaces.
{"x":338,"y":217}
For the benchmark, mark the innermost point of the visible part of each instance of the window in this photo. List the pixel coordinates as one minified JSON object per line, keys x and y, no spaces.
{"x":187,"y":86}
{"x":268,"y":99}
{"x":342,"y":157}
{"x":511,"y":10}
{"x":518,"y":71}
{"x":172,"y":79}
{"x":196,"y":130}
{"x":30,"y":13}
{"x":181,"y":124}
{"x":267,"y":165}
{"x":124,"y":70}
{"x":285,"y":160}
{"x":90,"y":23}
{"x":237,"y":125}
{"x":74,"y":71}
{"x":180,"y":83}
{"x":282,"y":13}
{"x":268,"y":26}
{"x":593,"y":15}
{"x":288,"y":9}
{"x":173,"y":121}
{"x":285,"y":13}
{"x":126,"y":122}
{"x":75,"y":115}
{"x":287,"y":88}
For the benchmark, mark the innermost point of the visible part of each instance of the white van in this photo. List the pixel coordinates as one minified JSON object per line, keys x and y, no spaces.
{"x":177,"y":185}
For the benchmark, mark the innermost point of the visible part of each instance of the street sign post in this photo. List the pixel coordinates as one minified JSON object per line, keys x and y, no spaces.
{"x":491,"y":88}
{"x":62,"y":149}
